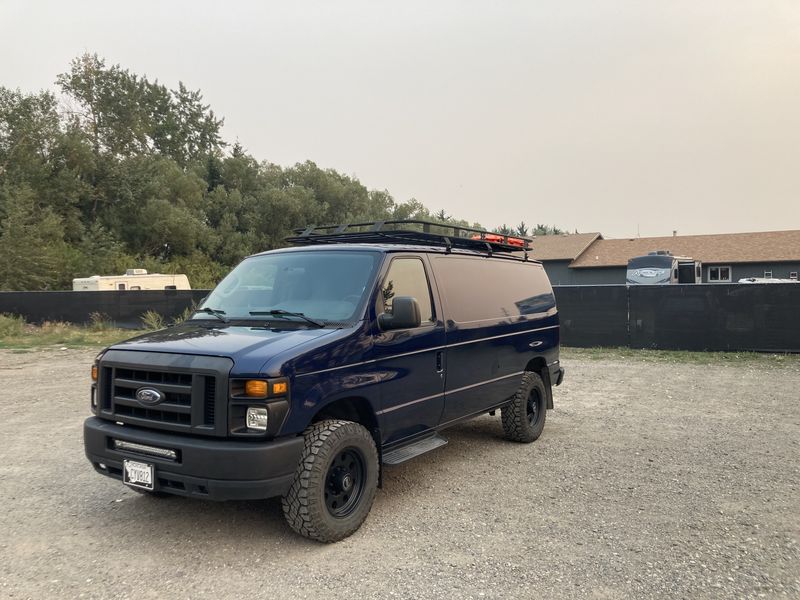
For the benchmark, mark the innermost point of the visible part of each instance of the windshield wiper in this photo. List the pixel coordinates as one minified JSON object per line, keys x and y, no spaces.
{"x":279,"y":312}
{"x":212,"y":311}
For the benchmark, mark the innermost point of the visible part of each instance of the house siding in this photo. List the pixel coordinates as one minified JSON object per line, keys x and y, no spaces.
{"x":780,"y":270}
{"x":560,"y":273}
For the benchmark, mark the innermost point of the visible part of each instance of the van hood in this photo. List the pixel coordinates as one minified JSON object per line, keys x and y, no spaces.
{"x":249,"y":346}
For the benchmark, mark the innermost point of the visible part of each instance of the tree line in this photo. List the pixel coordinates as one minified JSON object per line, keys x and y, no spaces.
{"x":118,"y":171}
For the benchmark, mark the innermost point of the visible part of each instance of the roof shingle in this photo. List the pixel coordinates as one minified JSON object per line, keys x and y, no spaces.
{"x":765,"y":246}
{"x":561,"y":247}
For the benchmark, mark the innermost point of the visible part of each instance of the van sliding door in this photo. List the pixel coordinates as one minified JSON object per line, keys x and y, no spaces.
{"x":500,"y":314}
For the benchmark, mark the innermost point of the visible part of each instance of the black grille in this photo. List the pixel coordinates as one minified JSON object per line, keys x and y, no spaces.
{"x":145,"y":377}
{"x":211,"y":400}
{"x":151,"y":414}
{"x":188,"y":399}
{"x":106,"y":381}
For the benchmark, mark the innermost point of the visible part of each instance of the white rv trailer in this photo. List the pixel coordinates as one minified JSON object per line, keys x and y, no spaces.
{"x":661,"y":267}
{"x":133,"y":279}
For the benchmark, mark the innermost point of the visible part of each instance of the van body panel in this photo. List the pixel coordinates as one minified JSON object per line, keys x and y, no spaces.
{"x":246,"y":345}
{"x":412,"y":389}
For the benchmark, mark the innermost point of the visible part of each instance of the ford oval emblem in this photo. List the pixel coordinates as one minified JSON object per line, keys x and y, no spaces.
{"x":149,"y":396}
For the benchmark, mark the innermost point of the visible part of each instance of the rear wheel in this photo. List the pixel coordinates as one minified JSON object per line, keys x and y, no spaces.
{"x":335,"y":482}
{"x":523,"y":419}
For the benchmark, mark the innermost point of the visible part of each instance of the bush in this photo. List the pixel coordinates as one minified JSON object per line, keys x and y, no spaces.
{"x":100,"y":322}
{"x":11,"y":325}
{"x":153,"y":320}
{"x":185,"y":314}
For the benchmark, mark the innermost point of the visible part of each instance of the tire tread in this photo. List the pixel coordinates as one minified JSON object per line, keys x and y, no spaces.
{"x":514,"y":416}
{"x":300,"y":508}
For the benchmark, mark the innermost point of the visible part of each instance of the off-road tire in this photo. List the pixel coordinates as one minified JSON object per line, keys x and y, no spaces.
{"x":520,"y":423}
{"x":305,"y":505}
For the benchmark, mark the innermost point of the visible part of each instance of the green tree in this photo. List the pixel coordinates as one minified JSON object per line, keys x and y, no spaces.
{"x":123,"y":172}
{"x":34,"y":255}
{"x":125,"y":114}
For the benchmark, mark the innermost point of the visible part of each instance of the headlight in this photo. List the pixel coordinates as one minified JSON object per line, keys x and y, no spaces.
{"x":257,"y":418}
{"x":257,"y":407}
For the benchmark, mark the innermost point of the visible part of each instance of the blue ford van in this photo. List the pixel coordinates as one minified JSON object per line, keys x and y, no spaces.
{"x":309,"y":369}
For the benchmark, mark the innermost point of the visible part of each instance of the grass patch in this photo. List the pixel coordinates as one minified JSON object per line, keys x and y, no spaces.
{"x":17,"y":335}
{"x":682,"y":356}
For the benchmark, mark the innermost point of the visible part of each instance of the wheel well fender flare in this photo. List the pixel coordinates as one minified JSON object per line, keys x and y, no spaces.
{"x":359,"y":410}
{"x":539,"y":365}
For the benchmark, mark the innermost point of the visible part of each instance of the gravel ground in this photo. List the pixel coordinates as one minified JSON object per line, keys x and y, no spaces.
{"x":651,"y":480}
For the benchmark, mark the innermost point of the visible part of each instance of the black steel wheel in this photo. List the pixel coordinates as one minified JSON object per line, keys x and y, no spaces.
{"x":344,"y":484}
{"x":534,"y":412}
{"x":523,"y":418}
{"x":335,"y":482}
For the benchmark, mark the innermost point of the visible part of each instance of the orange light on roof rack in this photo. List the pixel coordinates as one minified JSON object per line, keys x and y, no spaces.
{"x":496,"y":238}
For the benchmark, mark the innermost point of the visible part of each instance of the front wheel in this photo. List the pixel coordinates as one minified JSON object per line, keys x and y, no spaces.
{"x":523,"y":419}
{"x":335,"y":483}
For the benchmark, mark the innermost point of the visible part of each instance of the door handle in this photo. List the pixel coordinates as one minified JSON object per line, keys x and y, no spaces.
{"x":439,"y":361}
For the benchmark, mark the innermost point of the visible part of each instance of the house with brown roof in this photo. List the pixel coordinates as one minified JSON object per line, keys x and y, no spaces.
{"x":590,"y":259}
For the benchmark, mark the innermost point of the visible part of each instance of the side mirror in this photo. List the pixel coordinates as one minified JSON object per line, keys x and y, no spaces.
{"x":405,"y":314}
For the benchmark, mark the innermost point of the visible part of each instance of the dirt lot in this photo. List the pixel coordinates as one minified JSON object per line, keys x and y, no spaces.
{"x":652,"y":479}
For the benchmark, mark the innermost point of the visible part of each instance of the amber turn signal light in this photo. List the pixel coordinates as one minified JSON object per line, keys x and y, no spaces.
{"x":94,"y":372}
{"x":279,"y":387}
{"x":255,"y":388}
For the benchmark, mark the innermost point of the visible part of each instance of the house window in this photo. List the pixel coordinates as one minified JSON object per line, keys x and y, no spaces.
{"x":719,"y":274}
{"x":767,"y":274}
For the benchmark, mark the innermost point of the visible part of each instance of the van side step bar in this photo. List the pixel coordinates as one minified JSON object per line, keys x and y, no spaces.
{"x":412,"y":450}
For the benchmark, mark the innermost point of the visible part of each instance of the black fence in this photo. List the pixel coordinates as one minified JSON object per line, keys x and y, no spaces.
{"x":744,"y":317}
{"x":593,"y":315}
{"x":716,"y":317}
{"x":124,"y":308}
{"x":758,"y":317}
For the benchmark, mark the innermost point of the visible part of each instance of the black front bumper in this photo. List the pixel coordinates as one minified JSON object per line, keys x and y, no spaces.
{"x":216,"y":469}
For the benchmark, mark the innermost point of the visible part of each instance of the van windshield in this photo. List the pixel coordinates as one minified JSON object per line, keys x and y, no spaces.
{"x":328,"y":286}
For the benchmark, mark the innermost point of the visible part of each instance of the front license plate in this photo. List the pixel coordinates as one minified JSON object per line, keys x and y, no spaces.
{"x":137,"y":474}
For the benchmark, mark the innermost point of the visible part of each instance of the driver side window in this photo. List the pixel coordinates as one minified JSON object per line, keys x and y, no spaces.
{"x":406,"y":277}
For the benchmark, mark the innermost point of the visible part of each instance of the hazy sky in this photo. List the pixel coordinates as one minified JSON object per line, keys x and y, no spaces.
{"x":607,"y":116}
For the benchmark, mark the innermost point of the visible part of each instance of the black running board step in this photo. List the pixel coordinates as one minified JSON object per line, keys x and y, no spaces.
{"x":404,"y":453}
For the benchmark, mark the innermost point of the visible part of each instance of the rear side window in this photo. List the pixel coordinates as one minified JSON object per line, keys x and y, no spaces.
{"x":483,"y":289}
{"x":406,"y":277}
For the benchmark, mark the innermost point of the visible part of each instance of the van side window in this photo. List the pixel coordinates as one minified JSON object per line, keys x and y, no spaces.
{"x":406,"y":277}
{"x":477,"y":289}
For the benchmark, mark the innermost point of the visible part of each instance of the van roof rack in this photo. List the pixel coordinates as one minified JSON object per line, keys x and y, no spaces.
{"x":412,"y":231}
